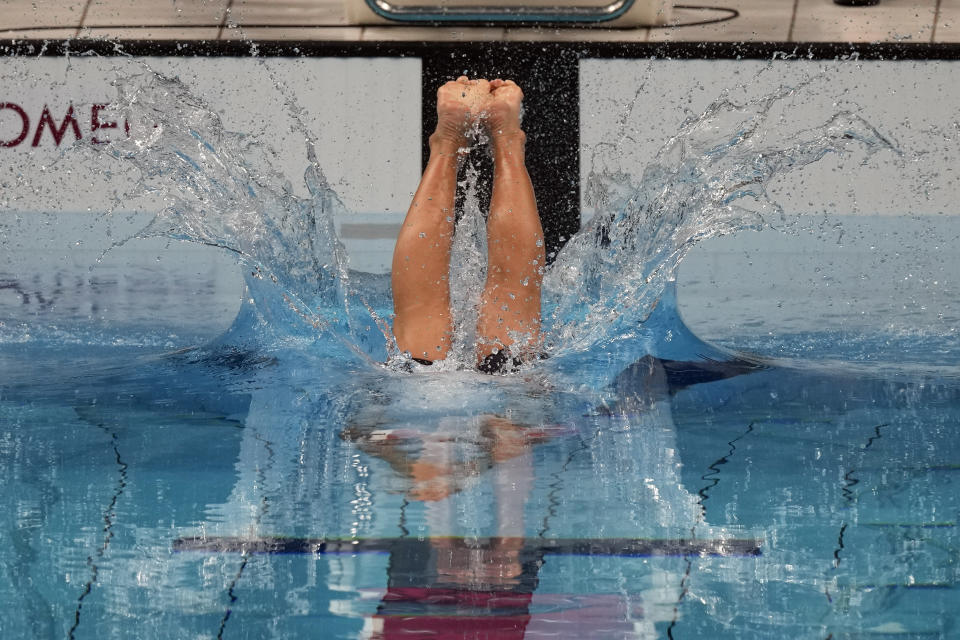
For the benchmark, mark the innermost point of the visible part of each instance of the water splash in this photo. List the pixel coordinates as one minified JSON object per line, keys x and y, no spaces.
{"x":219,"y":188}
{"x":468,"y":266}
{"x":711,"y":178}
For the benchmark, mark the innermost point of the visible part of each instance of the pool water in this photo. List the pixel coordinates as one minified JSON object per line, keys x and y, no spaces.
{"x":217,"y":492}
{"x":195,"y":449}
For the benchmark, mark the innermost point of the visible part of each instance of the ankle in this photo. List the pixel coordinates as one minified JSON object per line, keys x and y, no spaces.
{"x":507,"y":135}
{"x":446,"y":143}
{"x":508,"y":144}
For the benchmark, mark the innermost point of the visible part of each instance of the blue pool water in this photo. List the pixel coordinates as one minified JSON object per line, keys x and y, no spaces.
{"x":844,"y":486}
{"x":179,"y":460}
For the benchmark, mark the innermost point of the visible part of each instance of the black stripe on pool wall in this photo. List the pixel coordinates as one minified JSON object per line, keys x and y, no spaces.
{"x":626,"y":547}
{"x":517,"y":50}
{"x":551,"y":88}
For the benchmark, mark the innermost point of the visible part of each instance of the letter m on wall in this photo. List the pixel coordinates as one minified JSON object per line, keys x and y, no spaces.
{"x":46,"y":120}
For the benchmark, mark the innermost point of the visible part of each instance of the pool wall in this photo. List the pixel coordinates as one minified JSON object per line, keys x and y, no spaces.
{"x":368,"y":108}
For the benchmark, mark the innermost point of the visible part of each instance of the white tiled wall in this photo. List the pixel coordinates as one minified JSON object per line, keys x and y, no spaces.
{"x":41,"y":13}
{"x":947,"y":28}
{"x":129,"y":13}
{"x":889,"y":21}
{"x":362,"y":114}
{"x":757,"y":20}
{"x":914,"y":103}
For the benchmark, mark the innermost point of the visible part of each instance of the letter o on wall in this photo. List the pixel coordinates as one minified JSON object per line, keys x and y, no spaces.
{"x":24,"y":120}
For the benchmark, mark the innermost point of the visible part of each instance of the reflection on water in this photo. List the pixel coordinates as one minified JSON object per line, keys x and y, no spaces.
{"x":204,"y":494}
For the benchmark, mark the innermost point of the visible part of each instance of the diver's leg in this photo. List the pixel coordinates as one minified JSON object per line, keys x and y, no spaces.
{"x":421,"y":258}
{"x":510,"y":306}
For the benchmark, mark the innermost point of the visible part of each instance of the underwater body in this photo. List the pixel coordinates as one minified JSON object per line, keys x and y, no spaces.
{"x":297,"y":476}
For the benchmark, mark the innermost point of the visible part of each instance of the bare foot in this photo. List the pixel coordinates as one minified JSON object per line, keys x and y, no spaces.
{"x":459,"y":106}
{"x":503,"y":110}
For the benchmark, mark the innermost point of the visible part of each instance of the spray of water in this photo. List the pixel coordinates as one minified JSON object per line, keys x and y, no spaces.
{"x":709,"y":179}
{"x":219,"y":188}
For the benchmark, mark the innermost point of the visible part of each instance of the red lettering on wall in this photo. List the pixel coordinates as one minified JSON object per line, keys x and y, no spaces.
{"x":24,"y":126}
{"x":99,"y":120}
{"x":96,"y":123}
{"x":58,"y":132}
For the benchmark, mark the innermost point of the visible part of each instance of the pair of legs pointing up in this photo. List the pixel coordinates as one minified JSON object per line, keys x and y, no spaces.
{"x":509,"y":311}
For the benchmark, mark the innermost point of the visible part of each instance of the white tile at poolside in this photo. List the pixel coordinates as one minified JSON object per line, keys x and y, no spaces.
{"x":758,"y":21}
{"x":889,"y":21}
{"x":149,"y":13}
{"x":39,"y":34}
{"x":582,"y":34}
{"x":305,"y":13}
{"x":40,"y":13}
{"x":435,"y":34}
{"x":948,"y":22}
{"x":305,"y":34}
{"x":151,"y":33}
